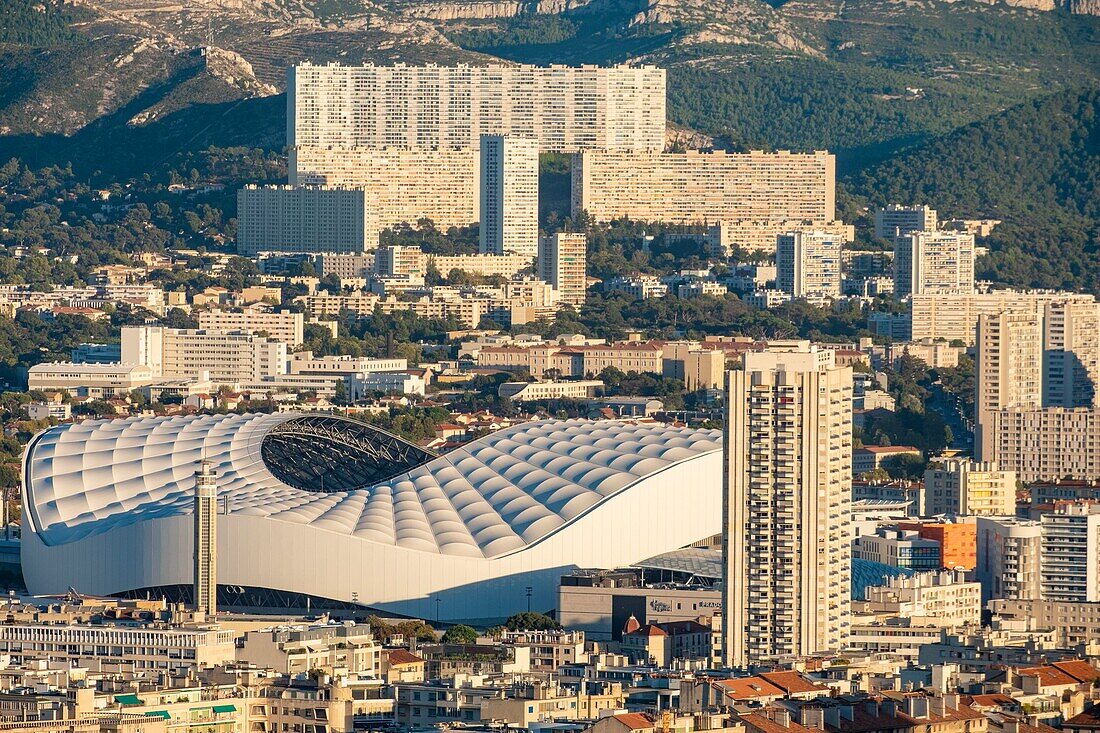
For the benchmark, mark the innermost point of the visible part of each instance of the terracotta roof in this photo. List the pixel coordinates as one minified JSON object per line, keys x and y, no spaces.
{"x":989,"y":701}
{"x":1088,"y":719}
{"x":647,"y":630}
{"x":792,"y":682}
{"x":631,"y":625}
{"x":761,"y":722}
{"x":1078,"y":669}
{"x":400,"y":656}
{"x":635,"y":721}
{"x":683,"y":627}
{"x":748,"y":688}
{"x":1049,"y":676}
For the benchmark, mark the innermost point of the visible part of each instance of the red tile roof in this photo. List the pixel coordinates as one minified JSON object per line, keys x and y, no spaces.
{"x":400,"y":656}
{"x":792,"y":682}
{"x":635,"y":721}
{"x":761,"y":722}
{"x":1079,"y":669}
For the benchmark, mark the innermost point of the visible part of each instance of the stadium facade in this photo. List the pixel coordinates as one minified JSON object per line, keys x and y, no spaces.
{"x":322,"y":511}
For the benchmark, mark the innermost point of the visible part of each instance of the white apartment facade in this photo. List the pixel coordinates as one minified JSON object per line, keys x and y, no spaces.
{"x":759,"y":236}
{"x":697,"y":187}
{"x":286,"y":327}
{"x":225,"y":357}
{"x":943,"y":597}
{"x":404,"y":185}
{"x":509,"y":196}
{"x":1009,"y":552}
{"x":1071,"y":354}
{"x":1070,"y":569}
{"x":562,"y":262}
{"x":933,"y":263}
{"x":787,"y":505}
{"x":895,"y":220}
{"x":305,"y":219}
{"x":807,"y":264}
{"x":954,"y":316}
{"x":565,"y":108}
{"x":964,"y":487}
{"x":1009,"y":370}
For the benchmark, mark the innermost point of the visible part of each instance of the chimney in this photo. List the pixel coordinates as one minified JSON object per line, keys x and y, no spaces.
{"x":917,"y":706}
{"x":813,"y":718}
{"x":936,"y":705}
{"x":951,"y":701}
{"x":782,"y":716}
{"x":1010,"y":725}
{"x":871,"y":706}
{"x":889,"y":708}
{"x":848,"y":712}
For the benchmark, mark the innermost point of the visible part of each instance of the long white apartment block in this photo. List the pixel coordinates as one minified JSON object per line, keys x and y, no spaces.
{"x":697,"y":187}
{"x":808,"y":264}
{"x":509,"y":196}
{"x":404,"y":185}
{"x":954,"y":316}
{"x":305,"y":219}
{"x":933,"y":263}
{"x":565,"y":108}
{"x":286,"y":327}
{"x":227,"y":357}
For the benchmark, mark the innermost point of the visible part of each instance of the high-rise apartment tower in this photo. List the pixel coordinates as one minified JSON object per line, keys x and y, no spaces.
{"x":787,"y":501}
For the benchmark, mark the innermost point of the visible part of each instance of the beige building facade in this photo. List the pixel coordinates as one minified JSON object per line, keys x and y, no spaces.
{"x":787,"y":535}
{"x":564,"y":108}
{"x":969,"y":488}
{"x":286,"y":327}
{"x":305,"y":219}
{"x":697,"y":188}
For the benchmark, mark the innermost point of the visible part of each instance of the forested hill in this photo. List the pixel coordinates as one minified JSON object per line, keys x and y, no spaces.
{"x":1035,"y":166}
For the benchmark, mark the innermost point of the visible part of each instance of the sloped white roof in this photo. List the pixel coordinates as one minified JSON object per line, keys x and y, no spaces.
{"x":494,"y":496}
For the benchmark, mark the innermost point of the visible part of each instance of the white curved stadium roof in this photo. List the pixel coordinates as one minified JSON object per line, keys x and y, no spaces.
{"x":498,"y":496}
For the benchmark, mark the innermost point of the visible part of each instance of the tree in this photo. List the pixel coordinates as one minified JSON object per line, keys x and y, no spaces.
{"x":531,"y":621}
{"x":460,"y":634}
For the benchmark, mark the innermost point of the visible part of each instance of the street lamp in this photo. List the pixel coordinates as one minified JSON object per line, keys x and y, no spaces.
{"x":438,"y":600}
{"x":529,"y":591}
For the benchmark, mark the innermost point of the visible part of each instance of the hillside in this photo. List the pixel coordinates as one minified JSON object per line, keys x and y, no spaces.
{"x":1036,"y":167}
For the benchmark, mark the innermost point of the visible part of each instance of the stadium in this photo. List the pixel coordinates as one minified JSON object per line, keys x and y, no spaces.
{"x":319,"y":511}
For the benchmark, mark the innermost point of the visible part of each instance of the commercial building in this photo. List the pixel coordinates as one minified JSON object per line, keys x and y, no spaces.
{"x":403,"y":185}
{"x":968,"y":487}
{"x":787,"y":505}
{"x":1009,"y":558}
{"x":895,"y":220}
{"x":294,"y":488}
{"x":929,"y":263}
{"x":808,"y":264}
{"x":509,"y":196}
{"x":363,"y":384}
{"x":225,"y":357}
{"x":305,"y":363}
{"x":899,"y":548}
{"x":564,"y":108}
{"x":563,"y":259}
{"x":696,"y":187}
{"x":956,"y":536}
{"x":305,"y":219}
{"x":954,"y":316}
{"x":527,"y":391}
{"x":89,"y":380}
{"x":287,"y":327}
